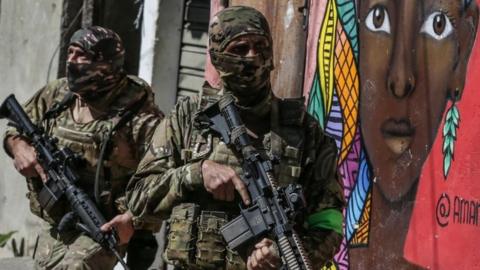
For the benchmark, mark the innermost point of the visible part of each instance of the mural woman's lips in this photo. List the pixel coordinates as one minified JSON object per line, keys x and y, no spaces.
{"x":397,"y":134}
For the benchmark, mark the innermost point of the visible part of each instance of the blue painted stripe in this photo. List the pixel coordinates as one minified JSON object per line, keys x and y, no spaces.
{"x":358,"y":197}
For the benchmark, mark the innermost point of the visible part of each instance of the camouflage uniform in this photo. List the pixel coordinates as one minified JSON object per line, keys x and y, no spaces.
{"x":70,"y":249}
{"x":168,"y":183}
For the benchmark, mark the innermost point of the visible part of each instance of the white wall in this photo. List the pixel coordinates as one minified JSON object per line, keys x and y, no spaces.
{"x":29,"y":34}
{"x":160,"y":50}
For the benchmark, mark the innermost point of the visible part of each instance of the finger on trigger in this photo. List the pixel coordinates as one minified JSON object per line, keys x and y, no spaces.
{"x":242,"y":189}
{"x":40,"y":172}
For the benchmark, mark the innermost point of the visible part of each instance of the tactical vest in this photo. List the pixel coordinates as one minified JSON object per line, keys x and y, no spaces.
{"x":193,"y":238}
{"x":104,"y":147}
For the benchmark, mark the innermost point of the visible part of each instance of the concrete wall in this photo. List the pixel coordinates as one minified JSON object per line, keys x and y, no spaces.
{"x":29,"y":34}
{"x":166,"y":53}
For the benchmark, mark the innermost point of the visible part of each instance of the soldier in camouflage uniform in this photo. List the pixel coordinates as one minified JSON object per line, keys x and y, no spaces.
{"x":190,"y":177}
{"x":96,"y":105}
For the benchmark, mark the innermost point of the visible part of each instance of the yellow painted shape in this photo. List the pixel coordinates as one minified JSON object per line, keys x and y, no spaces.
{"x":331,"y":266}
{"x":325,"y":53}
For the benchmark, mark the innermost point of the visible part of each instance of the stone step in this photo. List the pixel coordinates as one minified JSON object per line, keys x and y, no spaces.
{"x":16,"y":263}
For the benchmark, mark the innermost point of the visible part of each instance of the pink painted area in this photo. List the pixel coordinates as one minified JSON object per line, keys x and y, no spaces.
{"x":341,"y":258}
{"x":454,"y":245}
{"x":349,"y":167}
{"x":316,"y":14}
{"x":211,"y":75}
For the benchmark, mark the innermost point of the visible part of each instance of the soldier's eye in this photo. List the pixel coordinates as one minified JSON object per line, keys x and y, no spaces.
{"x":239,"y":49}
{"x":378,"y":20}
{"x":437,"y":25}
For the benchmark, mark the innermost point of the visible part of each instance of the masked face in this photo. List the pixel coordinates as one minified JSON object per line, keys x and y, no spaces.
{"x":245,"y":64}
{"x":86,"y":77}
{"x":241,"y":51}
{"x":94,"y":64}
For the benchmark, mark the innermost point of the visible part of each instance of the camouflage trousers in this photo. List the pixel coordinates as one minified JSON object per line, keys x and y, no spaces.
{"x":71,"y":252}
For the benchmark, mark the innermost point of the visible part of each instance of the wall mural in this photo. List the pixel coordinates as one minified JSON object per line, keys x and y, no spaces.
{"x":332,"y":86}
{"x":389,"y":81}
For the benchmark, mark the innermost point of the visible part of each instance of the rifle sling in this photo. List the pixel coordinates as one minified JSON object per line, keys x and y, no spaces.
{"x":60,"y":106}
{"x":122,"y":118}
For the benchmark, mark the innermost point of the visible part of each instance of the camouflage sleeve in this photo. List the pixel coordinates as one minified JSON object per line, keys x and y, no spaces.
{"x":144,"y":124}
{"x":142,"y":129}
{"x":36,"y":107}
{"x":162,"y":178}
{"x":322,"y":231}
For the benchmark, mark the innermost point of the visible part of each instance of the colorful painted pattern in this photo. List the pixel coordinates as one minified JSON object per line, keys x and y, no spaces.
{"x":333,"y":99}
{"x":326,"y":50}
{"x":336,"y":78}
{"x":347,"y":88}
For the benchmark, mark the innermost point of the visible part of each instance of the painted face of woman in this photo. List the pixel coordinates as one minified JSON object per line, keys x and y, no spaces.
{"x":413,"y":58}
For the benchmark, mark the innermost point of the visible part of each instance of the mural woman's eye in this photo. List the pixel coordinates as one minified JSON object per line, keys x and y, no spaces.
{"x":378,"y":20}
{"x":437,"y":25}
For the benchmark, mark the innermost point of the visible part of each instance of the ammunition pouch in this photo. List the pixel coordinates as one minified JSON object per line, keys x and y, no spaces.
{"x":194,"y":240}
{"x":210,"y":252}
{"x":181,"y":237}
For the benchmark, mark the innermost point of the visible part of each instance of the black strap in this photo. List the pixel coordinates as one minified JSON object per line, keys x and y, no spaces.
{"x":59,"y":107}
{"x":124,"y":116}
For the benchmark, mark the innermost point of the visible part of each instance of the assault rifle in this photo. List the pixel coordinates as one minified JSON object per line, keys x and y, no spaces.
{"x":273,"y":208}
{"x":59,"y":166}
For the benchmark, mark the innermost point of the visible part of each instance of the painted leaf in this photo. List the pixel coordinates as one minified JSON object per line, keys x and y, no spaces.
{"x":455,"y":112}
{"x":452,"y":118}
{"x":447,"y":162}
